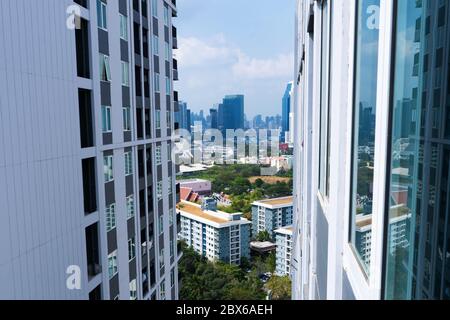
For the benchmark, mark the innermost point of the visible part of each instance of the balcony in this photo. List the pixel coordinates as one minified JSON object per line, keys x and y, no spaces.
{"x":174,"y":38}
{"x":175,"y":70}
{"x":175,"y":96}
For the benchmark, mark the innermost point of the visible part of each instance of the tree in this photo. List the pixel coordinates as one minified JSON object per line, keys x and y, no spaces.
{"x":271,"y":262}
{"x":259,"y":183}
{"x":263,"y":236}
{"x":205,"y":280}
{"x":280,"y":287}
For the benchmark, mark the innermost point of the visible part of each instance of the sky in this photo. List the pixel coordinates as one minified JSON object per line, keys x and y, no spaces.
{"x":235,"y":47}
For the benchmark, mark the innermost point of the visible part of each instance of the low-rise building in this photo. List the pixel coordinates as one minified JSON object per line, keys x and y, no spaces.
{"x":271,"y":214}
{"x":283,"y":242}
{"x":214,"y":234}
{"x":262,"y":247}
{"x":199,"y":186}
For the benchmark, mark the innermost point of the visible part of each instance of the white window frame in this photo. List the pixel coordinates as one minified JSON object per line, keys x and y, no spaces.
{"x":166,"y":16}
{"x":104,"y":65}
{"x":113,"y":268}
{"x":110,"y":213}
{"x":155,"y":8}
{"x":102,"y":23}
{"x":128,"y":163}
{"x":125,"y":74}
{"x":123,"y":27}
{"x":168,"y":85}
{"x":108,"y":168}
{"x":169,"y":151}
{"x":156,"y":81}
{"x":155,"y":45}
{"x":130,"y":206}
{"x":167,"y":51}
{"x":370,"y":287}
{"x":106,"y":116}
{"x":126,"y":119}
{"x":158,"y":119}
{"x":161,"y":224}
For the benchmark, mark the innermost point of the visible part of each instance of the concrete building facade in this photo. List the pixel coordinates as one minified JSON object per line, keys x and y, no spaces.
{"x":271,"y":214}
{"x":214,"y":234}
{"x":86,"y":178}
{"x":371,"y":155}
{"x":283,"y":241}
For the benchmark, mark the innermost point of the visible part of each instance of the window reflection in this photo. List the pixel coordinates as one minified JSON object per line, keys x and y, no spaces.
{"x":418,"y":243}
{"x":365,"y":102}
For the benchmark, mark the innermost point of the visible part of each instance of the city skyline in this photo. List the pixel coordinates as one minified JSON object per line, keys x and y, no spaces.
{"x":252,"y":56}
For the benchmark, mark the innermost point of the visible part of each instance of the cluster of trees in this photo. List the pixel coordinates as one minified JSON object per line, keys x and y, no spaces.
{"x":204,"y":280}
{"x":280,"y":288}
{"x":234,"y":181}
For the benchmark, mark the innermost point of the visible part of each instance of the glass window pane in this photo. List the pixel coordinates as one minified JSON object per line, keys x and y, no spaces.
{"x":417,"y":241}
{"x":364,"y":109}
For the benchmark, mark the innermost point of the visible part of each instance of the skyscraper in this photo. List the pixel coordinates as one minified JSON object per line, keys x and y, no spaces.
{"x":87,"y":184}
{"x":372,"y":158}
{"x":231,"y":113}
{"x":213,"y":118}
{"x":182,"y":116}
{"x":286,"y":116}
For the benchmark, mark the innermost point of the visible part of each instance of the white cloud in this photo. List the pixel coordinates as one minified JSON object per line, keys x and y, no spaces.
{"x":216,"y":51}
{"x":193,"y":51}
{"x":212,"y":68}
{"x":251,"y":68}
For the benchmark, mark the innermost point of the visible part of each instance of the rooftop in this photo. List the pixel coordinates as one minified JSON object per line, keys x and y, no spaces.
{"x":218,"y":217}
{"x":289,"y":230}
{"x":262,"y":247}
{"x":192,"y":180}
{"x":286,"y":201}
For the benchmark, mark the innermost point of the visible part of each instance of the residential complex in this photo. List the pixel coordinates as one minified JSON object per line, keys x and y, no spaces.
{"x":86,"y":177}
{"x":371,"y":97}
{"x":283,"y":240}
{"x":271,"y":214}
{"x":214,"y":234}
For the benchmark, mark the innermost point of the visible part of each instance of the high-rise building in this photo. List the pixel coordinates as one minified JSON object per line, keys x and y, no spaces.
{"x":231,"y":113}
{"x":213,"y":118}
{"x":182,"y":116}
{"x":214,"y":234}
{"x":271,"y":214}
{"x":283,"y":255}
{"x":258,"y":122}
{"x":287,"y":114}
{"x":372,"y":128}
{"x":87,"y":184}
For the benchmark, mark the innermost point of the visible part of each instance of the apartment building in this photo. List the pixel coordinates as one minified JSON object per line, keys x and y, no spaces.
{"x":283,"y":240}
{"x":271,"y":214}
{"x":372,"y":151}
{"x":214,"y":234}
{"x":86,"y":178}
